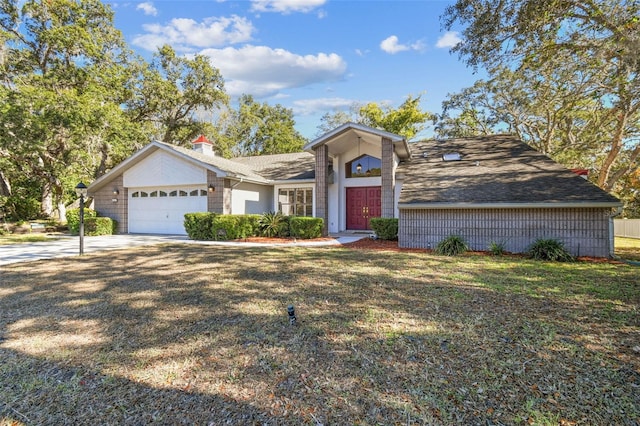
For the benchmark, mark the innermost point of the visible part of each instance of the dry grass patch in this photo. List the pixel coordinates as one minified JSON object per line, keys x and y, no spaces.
{"x":199,"y":335}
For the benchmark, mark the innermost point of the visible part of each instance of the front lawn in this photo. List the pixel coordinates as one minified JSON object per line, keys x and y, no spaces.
{"x":628,"y":248}
{"x":197,"y":334}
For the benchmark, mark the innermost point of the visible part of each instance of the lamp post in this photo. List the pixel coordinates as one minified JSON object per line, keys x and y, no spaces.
{"x":81,"y":191}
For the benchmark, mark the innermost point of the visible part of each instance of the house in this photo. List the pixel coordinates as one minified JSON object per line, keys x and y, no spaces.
{"x":485,"y":189}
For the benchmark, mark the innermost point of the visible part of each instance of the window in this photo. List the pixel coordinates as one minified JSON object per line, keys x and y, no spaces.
{"x":135,"y":194}
{"x":183,"y":193}
{"x":363,"y":166}
{"x":295,"y":201}
{"x":162,"y":194}
{"x":143,"y":194}
{"x":203,"y":193}
{"x":194,"y":193}
{"x":173,"y":194}
{"x":153,"y":194}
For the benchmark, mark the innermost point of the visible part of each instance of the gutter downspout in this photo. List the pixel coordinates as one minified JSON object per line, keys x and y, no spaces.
{"x":237,"y":183}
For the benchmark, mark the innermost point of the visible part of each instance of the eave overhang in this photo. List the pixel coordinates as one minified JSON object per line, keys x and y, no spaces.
{"x":468,"y":206}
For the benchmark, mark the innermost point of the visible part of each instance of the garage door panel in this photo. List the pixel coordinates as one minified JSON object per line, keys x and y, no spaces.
{"x":163,"y":215}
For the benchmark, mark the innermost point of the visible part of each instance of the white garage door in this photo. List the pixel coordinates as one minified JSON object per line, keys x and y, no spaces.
{"x":162,"y":210}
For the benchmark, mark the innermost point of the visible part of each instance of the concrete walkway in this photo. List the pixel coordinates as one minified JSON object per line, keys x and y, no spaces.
{"x":70,"y":246}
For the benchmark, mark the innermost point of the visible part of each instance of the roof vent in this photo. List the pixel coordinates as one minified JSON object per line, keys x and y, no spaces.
{"x":452,"y":156}
{"x":425,"y":154}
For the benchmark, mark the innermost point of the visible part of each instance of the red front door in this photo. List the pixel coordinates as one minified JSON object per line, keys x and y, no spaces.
{"x":363,"y":203}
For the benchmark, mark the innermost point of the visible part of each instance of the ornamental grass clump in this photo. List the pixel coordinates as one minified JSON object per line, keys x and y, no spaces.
{"x":549,"y":249}
{"x":274,"y":224}
{"x":452,"y":246}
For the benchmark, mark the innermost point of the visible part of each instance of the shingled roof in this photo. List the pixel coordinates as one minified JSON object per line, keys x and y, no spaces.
{"x":493,"y":171}
{"x":232,"y":168}
{"x":280,"y":167}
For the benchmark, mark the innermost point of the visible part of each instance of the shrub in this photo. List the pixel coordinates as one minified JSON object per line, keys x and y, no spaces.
{"x":247,"y":225}
{"x":73,"y":219}
{"x":305,"y":227}
{"x":385,"y":228}
{"x":549,"y":249}
{"x":451,"y":246}
{"x":496,"y":248}
{"x":100,"y":226}
{"x":274,"y":224}
{"x":199,"y":225}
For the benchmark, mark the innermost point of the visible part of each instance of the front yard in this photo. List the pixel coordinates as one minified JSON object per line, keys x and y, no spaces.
{"x":192,"y":334}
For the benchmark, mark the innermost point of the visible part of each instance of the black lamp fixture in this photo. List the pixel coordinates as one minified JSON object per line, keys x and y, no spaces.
{"x":358,"y":166}
{"x":115,"y":191}
{"x":212,"y":188}
{"x":81,"y":191}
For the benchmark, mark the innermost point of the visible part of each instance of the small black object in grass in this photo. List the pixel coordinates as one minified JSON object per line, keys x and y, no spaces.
{"x":292,"y":314}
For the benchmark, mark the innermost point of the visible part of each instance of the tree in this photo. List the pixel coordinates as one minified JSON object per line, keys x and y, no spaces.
{"x":61,"y":74}
{"x":260,"y":129}
{"x":407,"y":120}
{"x":174,"y":93}
{"x":597,"y":47}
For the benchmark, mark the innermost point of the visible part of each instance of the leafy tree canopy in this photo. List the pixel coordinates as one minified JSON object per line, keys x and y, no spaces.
{"x":564,"y":76}
{"x":407,"y":120}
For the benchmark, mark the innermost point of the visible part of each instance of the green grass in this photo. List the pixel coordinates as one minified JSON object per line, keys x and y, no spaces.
{"x":199,"y":334}
{"x":22,"y":238}
{"x":628,"y":248}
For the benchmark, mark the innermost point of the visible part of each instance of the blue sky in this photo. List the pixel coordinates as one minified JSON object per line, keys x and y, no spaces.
{"x":313,"y":56}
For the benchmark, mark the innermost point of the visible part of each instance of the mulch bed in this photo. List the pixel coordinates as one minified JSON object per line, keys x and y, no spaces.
{"x":376,"y":244}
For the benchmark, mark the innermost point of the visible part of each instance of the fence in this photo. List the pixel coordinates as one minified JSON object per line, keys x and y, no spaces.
{"x":626,"y":228}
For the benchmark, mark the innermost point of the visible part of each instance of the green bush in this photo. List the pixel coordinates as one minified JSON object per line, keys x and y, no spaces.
{"x":225,"y":227}
{"x":73,"y":219}
{"x":247,"y":225}
{"x":305,"y":227}
{"x":100,"y":226}
{"x":18,"y":207}
{"x":386,"y":228}
{"x":199,"y":225}
{"x":496,"y":248}
{"x":452,"y":246}
{"x":549,"y":249}
{"x":274,"y":224}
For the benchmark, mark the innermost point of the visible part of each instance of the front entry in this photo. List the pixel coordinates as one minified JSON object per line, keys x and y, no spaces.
{"x":363,"y":203}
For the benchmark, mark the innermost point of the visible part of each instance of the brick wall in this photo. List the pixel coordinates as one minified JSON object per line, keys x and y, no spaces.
{"x":117,"y":210}
{"x":216,"y":199}
{"x":388,"y":179}
{"x":322,"y":186}
{"x":585,"y":232}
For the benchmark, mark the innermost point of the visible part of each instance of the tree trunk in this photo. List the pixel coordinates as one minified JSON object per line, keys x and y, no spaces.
{"x":616,"y":145}
{"x":5,"y":185}
{"x":46,"y":207}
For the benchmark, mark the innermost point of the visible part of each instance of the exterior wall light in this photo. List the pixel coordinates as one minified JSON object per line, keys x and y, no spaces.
{"x":212,"y":188}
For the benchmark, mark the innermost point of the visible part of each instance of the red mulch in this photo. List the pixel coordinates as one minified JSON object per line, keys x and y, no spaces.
{"x":371,"y":244}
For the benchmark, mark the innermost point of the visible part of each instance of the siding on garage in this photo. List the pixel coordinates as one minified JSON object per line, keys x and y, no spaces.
{"x":585,"y":232}
{"x":112,"y":205}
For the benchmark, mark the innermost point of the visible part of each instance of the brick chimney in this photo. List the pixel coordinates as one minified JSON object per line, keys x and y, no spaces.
{"x":203,"y":145}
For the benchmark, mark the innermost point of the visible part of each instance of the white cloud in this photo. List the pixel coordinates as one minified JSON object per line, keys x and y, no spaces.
{"x":448,"y":40}
{"x":321,"y":105}
{"x":263,"y":71}
{"x":392,"y":45}
{"x":286,"y":6}
{"x":148,"y":8}
{"x":184,"y":34}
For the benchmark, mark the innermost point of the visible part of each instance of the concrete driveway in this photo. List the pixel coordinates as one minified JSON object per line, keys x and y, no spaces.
{"x":70,"y":246}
